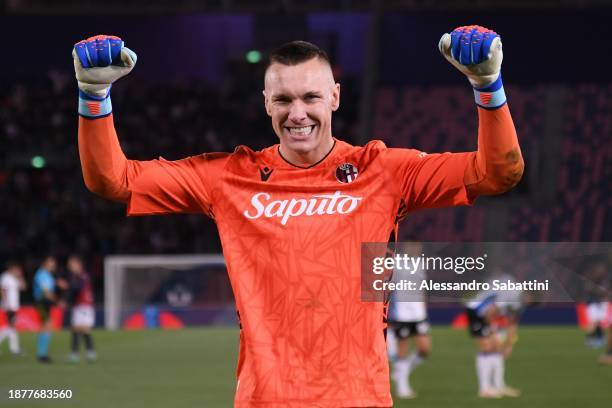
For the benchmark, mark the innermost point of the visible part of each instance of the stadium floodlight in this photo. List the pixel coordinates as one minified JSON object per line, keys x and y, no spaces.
{"x":253,"y":56}
{"x":38,"y":162}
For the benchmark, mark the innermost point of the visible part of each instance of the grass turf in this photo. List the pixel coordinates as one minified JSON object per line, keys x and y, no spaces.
{"x":195,"y":367}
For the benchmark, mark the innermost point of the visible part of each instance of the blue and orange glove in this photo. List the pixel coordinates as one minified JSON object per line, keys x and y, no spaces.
{"x":477,"y":52}
{"x":98,"y":62}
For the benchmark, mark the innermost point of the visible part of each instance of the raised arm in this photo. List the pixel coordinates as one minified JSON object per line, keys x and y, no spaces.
{"x":104,"y":166}
{"x":108,"y":173}
{"x":498,"y":164}
{"x":448,"y":179}
{"x":439,"y":180}
{"x":148,"y":187}
{"x":98,"y":62}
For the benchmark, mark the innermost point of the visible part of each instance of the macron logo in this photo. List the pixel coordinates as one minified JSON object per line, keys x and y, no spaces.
{"x":94,"y":107}
{"x":485,"y":98}
{"x":323,"y":204}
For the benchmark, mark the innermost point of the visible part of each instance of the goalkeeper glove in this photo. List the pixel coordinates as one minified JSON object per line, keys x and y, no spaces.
{"x":98,"y":62}
{"x":477,"y":52}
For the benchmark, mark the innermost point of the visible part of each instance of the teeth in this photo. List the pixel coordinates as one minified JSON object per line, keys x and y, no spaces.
{"x":301,"y":130}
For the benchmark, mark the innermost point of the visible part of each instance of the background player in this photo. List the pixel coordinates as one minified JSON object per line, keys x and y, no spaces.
{"x":408,"y":320}
{"x":494,"y":345}
{"x":11,"y":283}
{"x":597,"y":287}
{"x":44,"y":296}
{"x":607,"y":357}
{"x":80,"y":295}
{"x":292,"y":217}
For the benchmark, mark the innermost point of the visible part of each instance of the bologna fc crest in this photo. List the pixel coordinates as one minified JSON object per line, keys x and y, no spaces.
{"x":346,"y":173}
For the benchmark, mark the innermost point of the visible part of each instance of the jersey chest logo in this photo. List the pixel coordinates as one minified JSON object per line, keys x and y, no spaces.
{"x":346,"y":173}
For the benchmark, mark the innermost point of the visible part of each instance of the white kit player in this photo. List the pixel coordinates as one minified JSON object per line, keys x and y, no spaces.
{"x":607,"y":357}
{"x":11,"y":283}
{"x":408,"y":320}
{"x":598,"y":291}
{"x":494,"y":345}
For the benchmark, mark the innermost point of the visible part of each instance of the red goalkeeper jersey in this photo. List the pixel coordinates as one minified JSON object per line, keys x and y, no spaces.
{"x":292,"y":238}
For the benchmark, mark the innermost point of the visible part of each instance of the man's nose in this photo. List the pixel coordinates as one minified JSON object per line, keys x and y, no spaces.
{"x":297,"y":112}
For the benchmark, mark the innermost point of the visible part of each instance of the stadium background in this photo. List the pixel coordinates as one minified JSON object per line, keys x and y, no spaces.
{"x":195,"y":90}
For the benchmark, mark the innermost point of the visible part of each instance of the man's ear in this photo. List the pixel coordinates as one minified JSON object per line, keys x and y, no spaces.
{"x":266,"y":103}
{"x":335,"y":97}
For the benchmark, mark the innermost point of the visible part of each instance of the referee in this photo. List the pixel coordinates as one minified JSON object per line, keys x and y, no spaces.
{"x":45,"y":298}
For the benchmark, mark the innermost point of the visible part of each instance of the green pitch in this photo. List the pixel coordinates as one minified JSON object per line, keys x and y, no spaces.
{"x":195,"y":368}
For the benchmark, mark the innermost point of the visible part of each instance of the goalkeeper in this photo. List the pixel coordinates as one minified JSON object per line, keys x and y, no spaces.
{"x":292,"y":217}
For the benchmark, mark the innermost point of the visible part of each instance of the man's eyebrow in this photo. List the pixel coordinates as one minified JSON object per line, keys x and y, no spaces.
{"x":281,"y":97}
{"x":285,"y":97}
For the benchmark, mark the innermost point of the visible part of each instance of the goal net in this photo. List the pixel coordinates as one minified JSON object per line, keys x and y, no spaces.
{"x":148,"y":291}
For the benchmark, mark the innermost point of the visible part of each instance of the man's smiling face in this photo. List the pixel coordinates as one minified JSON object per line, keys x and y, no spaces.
{"x":300,"y":100}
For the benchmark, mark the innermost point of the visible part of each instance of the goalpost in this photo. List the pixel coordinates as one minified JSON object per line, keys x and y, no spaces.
{"x":193,"y":287}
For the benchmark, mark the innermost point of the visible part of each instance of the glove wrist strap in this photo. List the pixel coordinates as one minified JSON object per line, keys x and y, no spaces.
{"x":491,"y":96}
{"x":94,"y":107}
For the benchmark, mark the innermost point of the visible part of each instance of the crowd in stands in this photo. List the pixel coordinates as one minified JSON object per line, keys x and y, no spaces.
{"x":439,"y":118}
{"x":582,"y":206}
